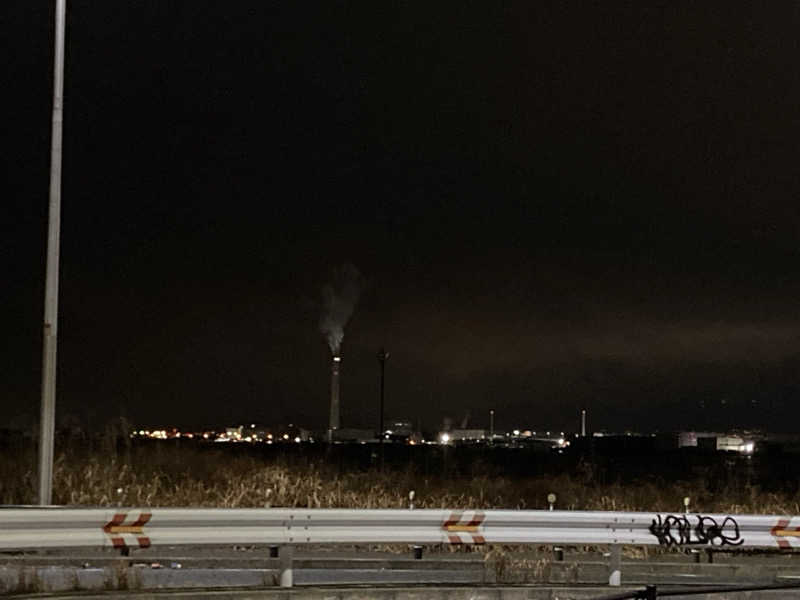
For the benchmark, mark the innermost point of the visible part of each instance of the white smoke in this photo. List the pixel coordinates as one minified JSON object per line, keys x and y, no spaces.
{"x":339,"y":299}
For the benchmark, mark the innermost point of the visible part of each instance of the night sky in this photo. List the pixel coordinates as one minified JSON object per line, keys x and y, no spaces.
{"x":553,"y":205}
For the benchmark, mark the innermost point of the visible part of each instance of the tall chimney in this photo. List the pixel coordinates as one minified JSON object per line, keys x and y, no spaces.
{"x":583,"y":423}
{"x":334,"y":423}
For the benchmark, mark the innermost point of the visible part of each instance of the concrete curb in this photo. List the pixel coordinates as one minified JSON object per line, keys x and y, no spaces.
{"x":430,"y":593}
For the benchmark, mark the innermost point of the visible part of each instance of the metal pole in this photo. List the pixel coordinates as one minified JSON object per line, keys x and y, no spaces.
{"x":50,"y":334}
{"x":382,"y":356}
{"x":491,"y":426}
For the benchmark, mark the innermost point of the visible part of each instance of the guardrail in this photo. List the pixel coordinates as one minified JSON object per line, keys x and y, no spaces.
{"x":136,"y":527}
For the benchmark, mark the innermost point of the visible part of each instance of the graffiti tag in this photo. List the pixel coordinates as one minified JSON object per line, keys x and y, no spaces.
{"x":684,"y":530}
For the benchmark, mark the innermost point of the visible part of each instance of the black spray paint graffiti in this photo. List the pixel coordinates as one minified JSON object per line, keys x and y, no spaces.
{"x":677,"y":530}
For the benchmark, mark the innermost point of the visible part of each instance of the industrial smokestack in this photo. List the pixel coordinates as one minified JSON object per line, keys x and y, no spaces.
{"x":583,"y":423}
{"x":335,"y":420}
{"x":339,"y":298}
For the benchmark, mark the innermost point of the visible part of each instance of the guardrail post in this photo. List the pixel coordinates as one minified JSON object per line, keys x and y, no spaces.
{"x":287,"y":576}
{"x":650,"y":593}
{"x":615,"y":565}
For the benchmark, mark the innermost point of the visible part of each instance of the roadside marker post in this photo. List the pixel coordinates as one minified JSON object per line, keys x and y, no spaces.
{"x":615,"y":565}
{"x":286,"y":572}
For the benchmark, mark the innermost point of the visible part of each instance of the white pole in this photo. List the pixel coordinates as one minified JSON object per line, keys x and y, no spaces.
{"x":50,"y":334}
{"x":615,"y":565}
{"x":286,"y":555}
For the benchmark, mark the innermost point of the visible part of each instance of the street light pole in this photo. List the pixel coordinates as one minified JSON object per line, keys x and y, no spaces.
{"x":50,"y":333}
{"x":382,"y":357}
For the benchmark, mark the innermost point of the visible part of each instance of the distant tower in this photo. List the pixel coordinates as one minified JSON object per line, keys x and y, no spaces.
{"x":583,"y":423}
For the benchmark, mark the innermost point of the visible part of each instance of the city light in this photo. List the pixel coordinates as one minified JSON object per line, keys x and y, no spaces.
{"x":403,"y":433}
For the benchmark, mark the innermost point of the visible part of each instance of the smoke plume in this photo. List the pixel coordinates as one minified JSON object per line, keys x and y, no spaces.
{"x":339,"y":298}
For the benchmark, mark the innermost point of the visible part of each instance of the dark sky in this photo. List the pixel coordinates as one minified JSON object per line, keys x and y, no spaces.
{"x":554,"y":205}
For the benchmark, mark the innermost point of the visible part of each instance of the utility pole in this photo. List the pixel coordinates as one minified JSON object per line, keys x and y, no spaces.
{"x":50,"y":333}
{"x":382,"y":358}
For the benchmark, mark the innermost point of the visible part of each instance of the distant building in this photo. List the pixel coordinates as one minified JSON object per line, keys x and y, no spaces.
{"x":233,"y":433}
{"x":399,"y":427}
{"x":692,"y":439}
{"x":734,"y":443}
{"x":715,"y":441}
{"x":353,"y":435}
{"x":467,"y":435}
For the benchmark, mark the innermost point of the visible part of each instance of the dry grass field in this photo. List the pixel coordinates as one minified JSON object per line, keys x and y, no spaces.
{"x":158,"y":475}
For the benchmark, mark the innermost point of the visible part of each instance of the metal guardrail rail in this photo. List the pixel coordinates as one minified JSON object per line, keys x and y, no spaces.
{"x":137,"y":527}
{"x":126,"y":528}
{"x":651,"y":592}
